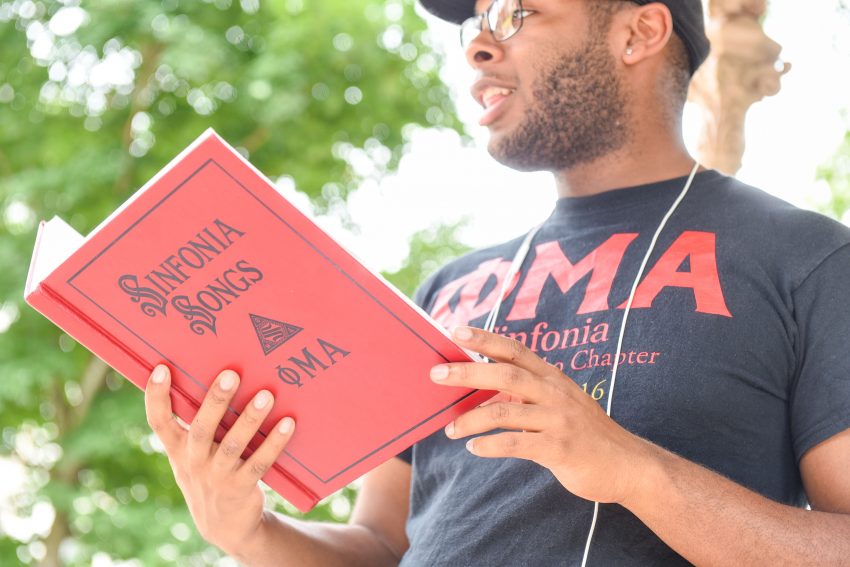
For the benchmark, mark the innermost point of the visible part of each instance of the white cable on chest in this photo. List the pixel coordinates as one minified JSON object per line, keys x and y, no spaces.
{"x":513,"y":271}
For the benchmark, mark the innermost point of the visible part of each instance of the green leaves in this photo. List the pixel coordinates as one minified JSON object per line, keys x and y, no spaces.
{"x":429,"y":249}
{"x":836,"y":172}
{"x":94,"y":100}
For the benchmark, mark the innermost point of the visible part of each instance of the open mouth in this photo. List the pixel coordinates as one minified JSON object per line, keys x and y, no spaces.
{"x":493,"y":100}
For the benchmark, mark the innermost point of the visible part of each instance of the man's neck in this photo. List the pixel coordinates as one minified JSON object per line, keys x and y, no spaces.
{"x":627,"y":167}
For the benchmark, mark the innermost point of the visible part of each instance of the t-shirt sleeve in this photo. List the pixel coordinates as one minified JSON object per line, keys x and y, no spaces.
{"x":820,"y":394}
{"x":422,"y":295}
{"x":406,"y":455}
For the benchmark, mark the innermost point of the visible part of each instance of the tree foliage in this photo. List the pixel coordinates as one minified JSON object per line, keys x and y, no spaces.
{"x":429,"y":249}
{"x":836,"y":172}
{"x":95,"y":99}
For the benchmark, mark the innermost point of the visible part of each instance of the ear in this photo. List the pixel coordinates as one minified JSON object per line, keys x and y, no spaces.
{"x":649,"y":29}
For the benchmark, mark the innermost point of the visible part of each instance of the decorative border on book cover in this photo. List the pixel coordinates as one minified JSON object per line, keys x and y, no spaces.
{"x":320,"y":253}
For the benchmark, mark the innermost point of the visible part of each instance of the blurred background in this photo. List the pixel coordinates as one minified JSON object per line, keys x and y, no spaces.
{"x":357,"y":109}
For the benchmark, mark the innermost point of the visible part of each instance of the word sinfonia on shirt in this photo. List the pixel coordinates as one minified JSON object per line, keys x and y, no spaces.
{"x":154,"y":294}
{"x":544,"y":340}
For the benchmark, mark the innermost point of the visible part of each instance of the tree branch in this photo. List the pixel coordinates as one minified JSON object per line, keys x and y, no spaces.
{"x":255,"y":139}
{"x":150,"y":59}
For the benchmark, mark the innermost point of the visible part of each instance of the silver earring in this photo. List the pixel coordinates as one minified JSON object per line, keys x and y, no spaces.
{"x":629,"y":51}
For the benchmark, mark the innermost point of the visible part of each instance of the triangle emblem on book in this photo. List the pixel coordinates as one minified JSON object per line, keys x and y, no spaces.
{"x":272,"y":333}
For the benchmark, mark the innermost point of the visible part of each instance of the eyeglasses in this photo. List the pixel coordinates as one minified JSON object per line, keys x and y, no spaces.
{"x":503,"y":17}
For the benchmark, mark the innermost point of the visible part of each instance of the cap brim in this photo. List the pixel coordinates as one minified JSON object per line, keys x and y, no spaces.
{"x":687,"y":21}
{"x":455,"y":11}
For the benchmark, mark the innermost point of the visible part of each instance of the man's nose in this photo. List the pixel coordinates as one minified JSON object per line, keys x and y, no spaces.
{"x":483,"y":48}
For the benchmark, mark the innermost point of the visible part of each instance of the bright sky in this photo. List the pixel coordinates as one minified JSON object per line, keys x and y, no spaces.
{"x":788,"y":137}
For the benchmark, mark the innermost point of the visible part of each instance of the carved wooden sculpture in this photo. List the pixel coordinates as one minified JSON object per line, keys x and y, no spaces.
{"x":743,"y":68}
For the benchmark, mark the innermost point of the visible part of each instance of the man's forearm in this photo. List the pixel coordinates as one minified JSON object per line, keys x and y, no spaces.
{"x":281,"y":542}
{"x":711,"y":520}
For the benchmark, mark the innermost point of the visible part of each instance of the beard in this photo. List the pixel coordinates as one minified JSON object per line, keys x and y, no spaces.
{"x":577,"y":114}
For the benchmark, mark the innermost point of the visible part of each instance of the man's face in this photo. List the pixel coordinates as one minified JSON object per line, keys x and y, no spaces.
{"x":566,"y":105}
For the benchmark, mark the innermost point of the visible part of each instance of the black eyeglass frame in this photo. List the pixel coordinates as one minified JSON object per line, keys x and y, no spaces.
{"x":477,"y":22}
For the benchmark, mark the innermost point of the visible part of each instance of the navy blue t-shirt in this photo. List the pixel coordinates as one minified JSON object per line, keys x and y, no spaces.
{"x":735,"y":357}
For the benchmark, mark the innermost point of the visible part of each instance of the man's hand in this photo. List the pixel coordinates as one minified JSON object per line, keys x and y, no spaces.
{"x":221,"y":489}
{"x":551,"y":420}
{"x":557,"y":425}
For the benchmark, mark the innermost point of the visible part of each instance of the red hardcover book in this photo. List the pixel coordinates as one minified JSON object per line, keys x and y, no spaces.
{"x":208,"y":267}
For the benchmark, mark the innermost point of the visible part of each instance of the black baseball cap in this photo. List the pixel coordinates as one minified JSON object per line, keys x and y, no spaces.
{"x":688,"y":21}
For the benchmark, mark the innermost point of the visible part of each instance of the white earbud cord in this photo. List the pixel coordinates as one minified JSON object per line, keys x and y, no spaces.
{"x":661,"y":225}
{"x":519,"y":257}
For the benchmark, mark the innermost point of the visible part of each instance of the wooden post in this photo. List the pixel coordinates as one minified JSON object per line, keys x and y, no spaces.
{"x":742,"y":68}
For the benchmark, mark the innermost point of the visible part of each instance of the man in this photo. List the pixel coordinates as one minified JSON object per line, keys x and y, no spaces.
{"x":732,"y":405}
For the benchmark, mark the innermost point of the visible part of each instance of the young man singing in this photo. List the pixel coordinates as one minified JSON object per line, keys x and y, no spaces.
{"x":671,"y":353}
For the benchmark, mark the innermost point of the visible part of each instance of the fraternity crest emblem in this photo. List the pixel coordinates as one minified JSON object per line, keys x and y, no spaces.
{"x":272,"y":333}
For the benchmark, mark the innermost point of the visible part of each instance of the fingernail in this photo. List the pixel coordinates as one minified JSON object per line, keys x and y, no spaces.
{"x":450,"y":429}
{"x":440,"y":372}
{"x":159,"y":374}
{"x":262,"y":399}
{"x":227,"y":381}
{"x":463,"y":333}
{"x":286,"y":425}
{"x":470,"y":445}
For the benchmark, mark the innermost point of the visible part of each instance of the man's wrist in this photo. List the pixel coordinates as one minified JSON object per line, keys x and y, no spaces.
{"x":251,"y":547}
{"x":649,"y":476}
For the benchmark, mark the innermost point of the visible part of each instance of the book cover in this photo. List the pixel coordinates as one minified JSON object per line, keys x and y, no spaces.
{"x":208,"y":267}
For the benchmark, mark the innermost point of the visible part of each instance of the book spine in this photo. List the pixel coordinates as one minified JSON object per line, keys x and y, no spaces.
{"x":137,"y":370}
{"x":89,"y":334}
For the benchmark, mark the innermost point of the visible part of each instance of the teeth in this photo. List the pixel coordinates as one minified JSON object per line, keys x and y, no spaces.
{"x":490,"y":92}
